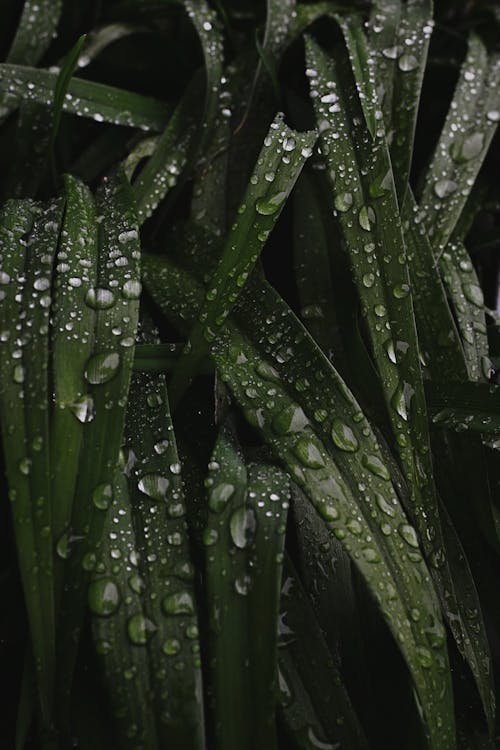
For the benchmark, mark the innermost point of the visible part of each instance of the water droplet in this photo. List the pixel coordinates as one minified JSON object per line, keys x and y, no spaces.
{"x":493,"y":115}
{"x":101,"y":368}
{"x":368,"y":280}
{"x":132,"y":289}
{"x":171,"y":647}
{"x":407,"y":63}
{"x":474,"y":294}
{"x":83,"y":409}
{"x":18,"y":374}
{"x":375,"y":465}
{"x":180,"y":603}
{"x":243,"y":584}
{"x":380,"y":311}
{"x":242,"y":526}
{"x":289,"y":144}
{"x":398,"y":401}
{"x":63,"y":547}
{"x":343,"y":437}
{"x":140,"y":629}
{"x":444,"y":188}
{"x":343,"y":202}
{"x":468,"y":148}
{"x":99,"y":299}
{"x":154,"y":486}
{"x":103,"y":597}
{"x":391,"y":53}
{"x":210,"y":537}
{"x":291,"y":419}
{"x":366,"y":218}
{"x":219,"y":496}
{"x":269,"y":206}
{"x":308,"y":454}
{"x":400,"y":291}
{"x":409,"y":534}
{"x":25,"y":466}
{"x":102,"y":496}
{"x":424,"y":657}
{"x":384,"y":505}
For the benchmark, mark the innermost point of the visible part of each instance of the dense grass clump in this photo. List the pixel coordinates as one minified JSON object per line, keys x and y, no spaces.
{"x":249,"y":353}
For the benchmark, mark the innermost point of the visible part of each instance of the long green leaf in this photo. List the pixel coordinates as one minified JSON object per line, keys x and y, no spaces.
{"x":84,"y":98}
{"x":278,"y":166}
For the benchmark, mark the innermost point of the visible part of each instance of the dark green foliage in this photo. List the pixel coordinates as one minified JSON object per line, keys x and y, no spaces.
{"x":249,"y":404}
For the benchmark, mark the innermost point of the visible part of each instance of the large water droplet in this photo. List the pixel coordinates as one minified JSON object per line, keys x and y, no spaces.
{"x":242,"y":526}
{"x":343,"y":437}
{"x":154,"y":486}
{"x":269,"y":206}
{"x":409,"y":534}
{"x":366,"y":218}
{"x":308,"y":454}
{"x":140,"y":629}
{"x":375,"y":465}
{"x":468,"y":148}
{"x":406,"y":63}
{"x":103,"y":597}
{"x":444,"y":188}
{"x":83,"y":409}
{"x":291,"y":419}
{"x":100,"y":299}
{"x":219,"y":496}
{"x":102,"y":496}
{"x":180,"y":603}
{"x":102,"y":367}
{"x":132,"y":289}
{"x":343,"y":202}
{"x":474,"y":294}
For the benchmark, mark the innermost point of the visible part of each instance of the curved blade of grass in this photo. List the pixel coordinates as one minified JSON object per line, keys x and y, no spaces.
{"x":71,"y":346}
{"x":17,"y":222}
{"x":282,"y":157}
{"x":399,"y":35}
{"x":84,"y":98}
{"x":107,"y":373}
{"x":307,"y":437}
{"x":169,"y":156}
{"x":98,"y":39}
{"x":314,"y":701}
{"x":365,"y":201}
{"x":312,"y":268}
{"x":467,"y":133}
{"x":35,"y":31}
{"x":244,"y":542}
{"x":465,"y":406}
{"x":164,"y":564}
{"x":62,"y":83}
{"x":466,"y":294}
{"x":120,"y":627}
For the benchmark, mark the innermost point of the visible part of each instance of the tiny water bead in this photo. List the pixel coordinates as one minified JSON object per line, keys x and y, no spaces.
{"x":101,"y":368}
{"x":180,"y":603}
{"x":103,"y":597}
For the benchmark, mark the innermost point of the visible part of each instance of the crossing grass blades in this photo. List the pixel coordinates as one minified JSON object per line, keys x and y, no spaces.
{"x":249,"y":402}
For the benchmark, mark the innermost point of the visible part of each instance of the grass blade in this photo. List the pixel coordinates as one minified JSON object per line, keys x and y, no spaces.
{"x":244,"y":542}
{"x":365,"y":200}
{"x":107,"y":373}
{"x":35,"y":31}
{"x":282,"y":157}
{"x":17,"y":222}
{"x":399,"y":34}
{"x":84,"y":98}
{"x":164,"y":564}
{"x":71,"y":346}
{"x":467,"y":133}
